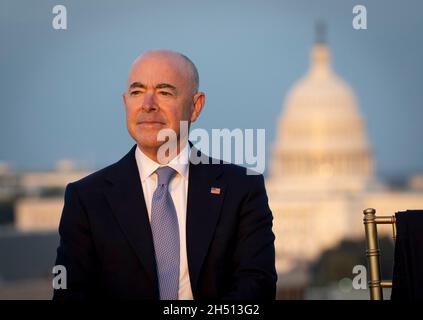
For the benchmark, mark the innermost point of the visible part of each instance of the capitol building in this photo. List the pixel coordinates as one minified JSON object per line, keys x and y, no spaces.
{"x":322,"y":172}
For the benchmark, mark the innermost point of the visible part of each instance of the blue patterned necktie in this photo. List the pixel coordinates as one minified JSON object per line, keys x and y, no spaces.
{"x":164,"y":226}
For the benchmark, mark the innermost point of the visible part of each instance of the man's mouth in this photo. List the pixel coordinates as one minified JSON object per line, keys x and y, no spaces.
{"x":151,"y":123}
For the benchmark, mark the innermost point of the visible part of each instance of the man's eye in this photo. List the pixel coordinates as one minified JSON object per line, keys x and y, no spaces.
{"x":165,"y":93}
{"x":136,"y":92}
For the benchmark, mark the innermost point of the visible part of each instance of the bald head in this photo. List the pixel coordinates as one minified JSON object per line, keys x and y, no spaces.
{"x":176,"y":60}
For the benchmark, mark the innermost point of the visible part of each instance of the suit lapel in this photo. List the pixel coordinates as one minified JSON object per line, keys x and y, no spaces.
{"x":203,"y":211}
{"x":126,"y":198}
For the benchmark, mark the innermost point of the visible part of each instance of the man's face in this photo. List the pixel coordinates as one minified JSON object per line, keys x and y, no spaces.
{"x":160,"y":94}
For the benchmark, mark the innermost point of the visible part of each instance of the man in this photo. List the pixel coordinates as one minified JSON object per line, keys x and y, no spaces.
{"x":155,"y":227}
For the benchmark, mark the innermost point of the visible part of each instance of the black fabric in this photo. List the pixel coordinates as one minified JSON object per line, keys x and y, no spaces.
{"x":408,"y":261}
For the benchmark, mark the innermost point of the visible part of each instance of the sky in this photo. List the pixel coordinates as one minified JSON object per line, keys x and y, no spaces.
{"x":61,"y":89}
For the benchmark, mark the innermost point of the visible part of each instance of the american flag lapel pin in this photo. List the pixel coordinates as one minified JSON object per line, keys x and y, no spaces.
{"x":215,"y":190}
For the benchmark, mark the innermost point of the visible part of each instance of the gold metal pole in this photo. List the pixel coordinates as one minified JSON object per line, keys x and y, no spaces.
{"x":373,"y":254}
{"x":394,"y":228}
{"x":385,"y":219}
{"x":388,"y":220}
{"x":386,"y":284}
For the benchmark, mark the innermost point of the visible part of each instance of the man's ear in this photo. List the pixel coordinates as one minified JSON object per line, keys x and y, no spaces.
{"x":124,"y":98}
{"x":199,"y":101}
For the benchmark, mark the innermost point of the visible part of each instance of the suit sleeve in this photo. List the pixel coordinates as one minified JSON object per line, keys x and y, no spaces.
{"x":76,"y":251}
{"x":254,"y":259}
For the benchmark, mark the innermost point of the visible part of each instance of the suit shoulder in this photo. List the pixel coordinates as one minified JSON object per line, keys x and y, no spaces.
{"x":93,"y":179}
{"x":238,"y":172}
{"x":98,"y":177}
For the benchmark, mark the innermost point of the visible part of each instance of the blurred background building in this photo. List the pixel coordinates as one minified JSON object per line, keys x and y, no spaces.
{"x":322,"y":176}
{"x":30,"y":207}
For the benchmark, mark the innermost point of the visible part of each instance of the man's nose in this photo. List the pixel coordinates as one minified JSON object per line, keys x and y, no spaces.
{"x":149,"y":103}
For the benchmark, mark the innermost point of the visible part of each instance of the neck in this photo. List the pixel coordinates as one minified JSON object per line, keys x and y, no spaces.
{"x":152,"y":152}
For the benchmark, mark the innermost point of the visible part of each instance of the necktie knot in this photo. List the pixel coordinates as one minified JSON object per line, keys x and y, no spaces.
{"x":164,"y":175}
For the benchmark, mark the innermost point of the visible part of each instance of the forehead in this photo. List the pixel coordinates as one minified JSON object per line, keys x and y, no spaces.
{"x":154,"y":69}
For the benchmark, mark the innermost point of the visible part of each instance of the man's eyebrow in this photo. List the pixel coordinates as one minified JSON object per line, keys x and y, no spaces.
{"x":159,"y":86}
{"x":166,"y":86}
{"x":137,"y":85}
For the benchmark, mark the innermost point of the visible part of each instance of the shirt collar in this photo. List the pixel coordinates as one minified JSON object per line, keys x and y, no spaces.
{"x":147,"y":166}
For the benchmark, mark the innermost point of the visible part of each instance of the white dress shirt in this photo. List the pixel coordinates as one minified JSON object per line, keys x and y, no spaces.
{"x":178,"y":189}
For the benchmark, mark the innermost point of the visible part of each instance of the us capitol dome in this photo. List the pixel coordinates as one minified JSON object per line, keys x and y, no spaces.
{"x":321,"y":139}
{"x":322,"y":172}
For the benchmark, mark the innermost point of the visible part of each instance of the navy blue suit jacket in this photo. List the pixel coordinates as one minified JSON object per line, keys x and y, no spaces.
{"x":107,"y":248}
